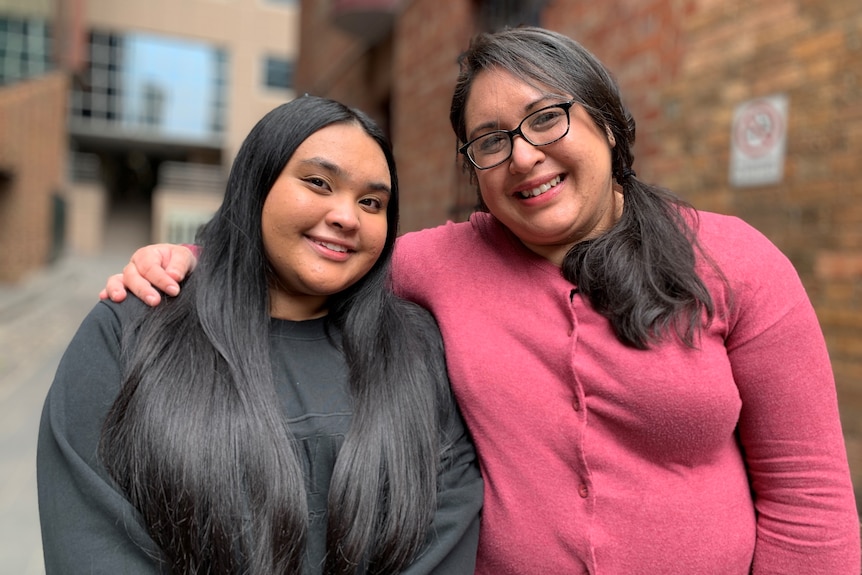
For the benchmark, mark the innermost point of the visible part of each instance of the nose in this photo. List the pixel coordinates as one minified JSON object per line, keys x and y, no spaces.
{"x":343,"y":214}
{"x":524,"y":155}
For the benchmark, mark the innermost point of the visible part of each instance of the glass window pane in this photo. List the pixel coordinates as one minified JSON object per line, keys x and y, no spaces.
{"x":278,"y":73}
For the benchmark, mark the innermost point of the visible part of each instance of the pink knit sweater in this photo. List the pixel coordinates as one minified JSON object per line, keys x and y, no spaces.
{"x":603,"y":459}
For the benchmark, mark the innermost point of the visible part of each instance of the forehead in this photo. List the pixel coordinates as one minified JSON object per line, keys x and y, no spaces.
{"x":498,"y":94}
{"x":348,"y":147}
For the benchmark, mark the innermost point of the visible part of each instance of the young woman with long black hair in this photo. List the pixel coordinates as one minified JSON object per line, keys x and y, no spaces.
{"x":287,"y":413}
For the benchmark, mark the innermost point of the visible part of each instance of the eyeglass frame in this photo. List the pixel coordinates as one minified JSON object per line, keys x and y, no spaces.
{"x":566,"y":106}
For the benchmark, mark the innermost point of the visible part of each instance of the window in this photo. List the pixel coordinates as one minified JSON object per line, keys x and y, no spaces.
{"x":170,"y":87}
{"x":152,"y":106}
{"x":99,"y":96}
{"x":278,"y":73}
{"x":218,"y":110}
{"x":25,"y":49}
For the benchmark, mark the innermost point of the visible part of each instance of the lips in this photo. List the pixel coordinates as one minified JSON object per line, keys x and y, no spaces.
{"x":334,"y":247}
{"x":539,"y":190}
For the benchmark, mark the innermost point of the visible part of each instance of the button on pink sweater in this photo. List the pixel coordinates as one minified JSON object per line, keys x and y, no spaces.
{"x":603,"y":459}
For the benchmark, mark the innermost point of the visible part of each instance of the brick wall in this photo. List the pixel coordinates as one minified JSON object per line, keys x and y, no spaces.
{"x":811,"y":52}
{"x":425,"y":67}
{"x":32,"y":155}
{"x":340,"y":66}
{"x":642,"y":45}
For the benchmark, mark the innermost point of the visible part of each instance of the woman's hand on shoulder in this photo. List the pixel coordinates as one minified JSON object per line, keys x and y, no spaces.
{"x":152,"y":268}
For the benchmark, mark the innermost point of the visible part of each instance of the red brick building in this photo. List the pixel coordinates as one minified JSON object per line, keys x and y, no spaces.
{"x":32,"y":163}
{"x":685,"y":67}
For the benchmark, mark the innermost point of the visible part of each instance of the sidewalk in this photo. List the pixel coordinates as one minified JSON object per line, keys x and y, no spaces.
{"x":37,"y":320}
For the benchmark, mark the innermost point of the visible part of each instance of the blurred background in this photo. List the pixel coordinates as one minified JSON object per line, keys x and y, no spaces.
{"x":119,"y":120}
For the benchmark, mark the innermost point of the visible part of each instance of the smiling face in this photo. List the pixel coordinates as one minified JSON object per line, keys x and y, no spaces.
{"x":551,"y":197}
{"x":324,"y":221}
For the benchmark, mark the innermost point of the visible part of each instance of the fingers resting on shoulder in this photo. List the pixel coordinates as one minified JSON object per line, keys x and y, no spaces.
{"x":152,"y":270}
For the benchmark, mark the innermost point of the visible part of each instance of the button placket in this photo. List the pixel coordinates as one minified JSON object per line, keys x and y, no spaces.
{"x":577,"y":404}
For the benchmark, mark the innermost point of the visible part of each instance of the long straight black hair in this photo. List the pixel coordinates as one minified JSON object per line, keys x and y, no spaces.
{"x":641,"y":273}
{"x":196,"y":438}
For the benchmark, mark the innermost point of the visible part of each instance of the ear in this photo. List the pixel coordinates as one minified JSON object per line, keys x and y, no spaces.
{"x":611,"y":140}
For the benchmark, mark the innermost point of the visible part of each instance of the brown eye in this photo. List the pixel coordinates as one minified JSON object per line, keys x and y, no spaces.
{"x":317,"y":182}
{"x":373,"y":204}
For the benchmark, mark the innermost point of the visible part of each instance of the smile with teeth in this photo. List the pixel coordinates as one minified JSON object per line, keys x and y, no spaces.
{"x":539,"y":190}
{"x":334,"y":247}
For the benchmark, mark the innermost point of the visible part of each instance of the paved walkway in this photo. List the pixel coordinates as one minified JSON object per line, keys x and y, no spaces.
{"x":37,"y":319}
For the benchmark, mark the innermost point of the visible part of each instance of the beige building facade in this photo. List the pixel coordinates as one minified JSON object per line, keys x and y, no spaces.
{"x":141,"y":86}
{"x":246,"y":30}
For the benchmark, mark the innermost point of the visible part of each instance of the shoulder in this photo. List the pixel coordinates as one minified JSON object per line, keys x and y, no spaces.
{"x":481,"y":228}
{"x":762,"y":280}
{"x":449,"y":251}
{"x":108,"y":319}
{"x":98,"y":344}
{"x":713,"y":222}
{"x":89,"y":374}
{"x":102,"y":333}
{"x":424,"y":256}
{"x":432,"y":240}
{"x":727,"y":231}
{"x":737,"y":246}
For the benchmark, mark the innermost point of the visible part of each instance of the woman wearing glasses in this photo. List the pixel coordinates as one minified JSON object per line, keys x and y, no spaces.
{"x":647,"y":385}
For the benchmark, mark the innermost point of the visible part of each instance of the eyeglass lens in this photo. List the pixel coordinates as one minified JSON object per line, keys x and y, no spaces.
{"x":539,"y":128}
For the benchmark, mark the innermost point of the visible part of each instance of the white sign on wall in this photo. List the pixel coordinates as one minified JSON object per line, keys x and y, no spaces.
{"x":757,"y":141}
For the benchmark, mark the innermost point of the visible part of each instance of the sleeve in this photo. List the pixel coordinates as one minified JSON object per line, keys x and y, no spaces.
{"x":453,"y":539}
{"x":88,"y":527}
{"x":789,"y":426}
{"x":401,"y":259}
{"x":411,"y":263}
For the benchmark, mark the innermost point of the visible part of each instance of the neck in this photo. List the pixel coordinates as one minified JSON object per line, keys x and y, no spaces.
{"x":293,"y":308}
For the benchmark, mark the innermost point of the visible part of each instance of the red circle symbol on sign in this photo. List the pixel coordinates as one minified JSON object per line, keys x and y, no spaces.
{"x":758,"y":129}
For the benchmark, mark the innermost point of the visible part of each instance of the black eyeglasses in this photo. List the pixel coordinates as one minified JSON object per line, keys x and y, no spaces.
{"x":540,"y":128}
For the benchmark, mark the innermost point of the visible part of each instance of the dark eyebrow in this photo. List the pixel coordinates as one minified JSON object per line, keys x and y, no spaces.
{"x":339,"y":172}
{"x":492,"y":125}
